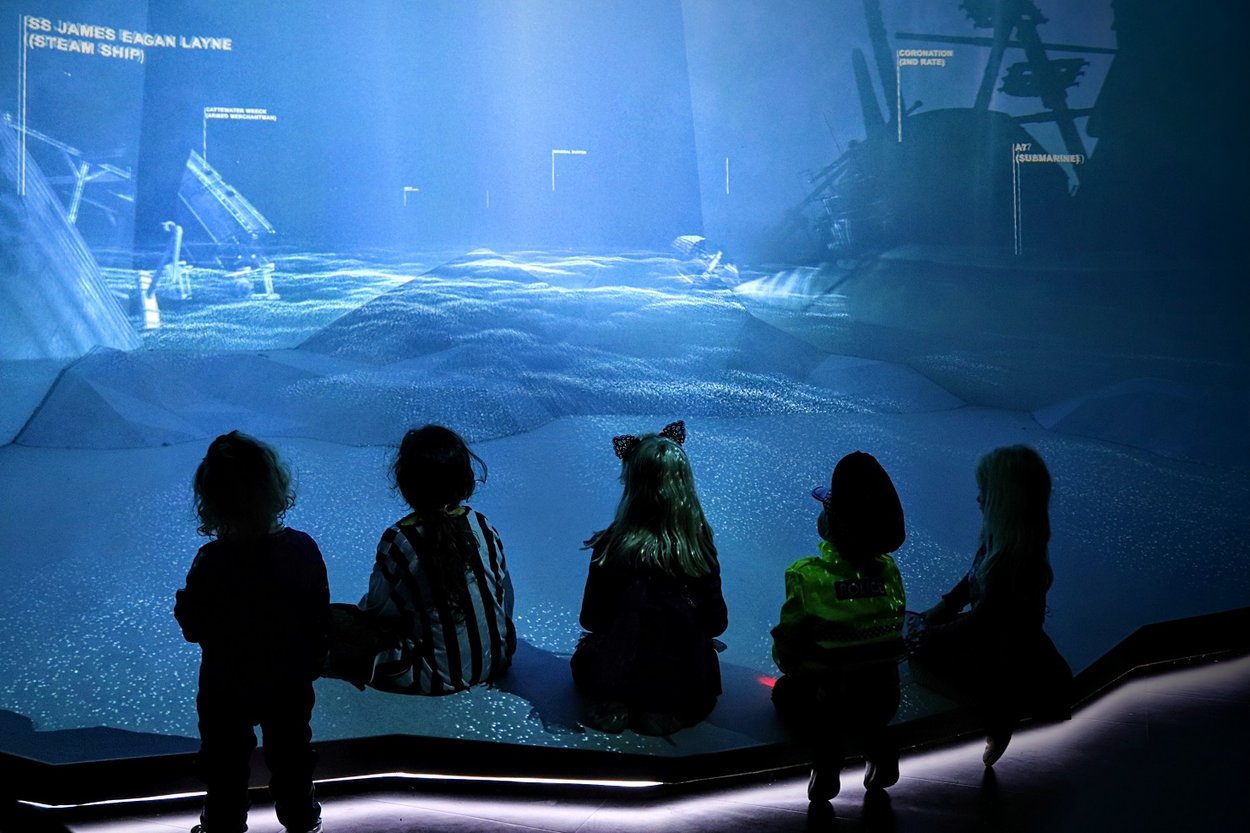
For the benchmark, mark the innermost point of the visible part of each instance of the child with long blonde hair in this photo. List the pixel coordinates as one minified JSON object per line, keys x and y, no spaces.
{"x":652,"y":603}
{"x":994,"y":655}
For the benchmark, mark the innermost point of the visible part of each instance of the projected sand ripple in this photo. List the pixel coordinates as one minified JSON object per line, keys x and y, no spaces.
{"x":458,"y":345}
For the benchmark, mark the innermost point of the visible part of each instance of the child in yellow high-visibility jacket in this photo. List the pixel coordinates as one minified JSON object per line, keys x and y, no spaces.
{"x":839,"y":639}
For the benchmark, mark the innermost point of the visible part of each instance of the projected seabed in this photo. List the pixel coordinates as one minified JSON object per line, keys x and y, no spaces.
{"x":539,"y":358}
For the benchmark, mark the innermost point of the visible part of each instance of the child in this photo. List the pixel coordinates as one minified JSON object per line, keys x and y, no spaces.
{"x":653,"y":598}
{"x":995,"y":656}
{"x":257,"y":602}
{"x":440,"y":581}
{"x":839,"y":640}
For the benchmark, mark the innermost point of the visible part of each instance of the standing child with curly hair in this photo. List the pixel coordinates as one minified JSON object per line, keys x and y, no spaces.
{"x":257,"y":601}
{"x":653,"y":599}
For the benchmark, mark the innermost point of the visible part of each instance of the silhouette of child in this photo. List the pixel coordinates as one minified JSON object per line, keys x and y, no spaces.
{"x":257,"y":602}
{"x":995,"y":655}
{"x":839,"y":639}
{"x":440,"y":582}
{"x":652,"y":602}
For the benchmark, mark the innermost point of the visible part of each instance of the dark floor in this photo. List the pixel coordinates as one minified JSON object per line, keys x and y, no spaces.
{"x":1168,"y":752}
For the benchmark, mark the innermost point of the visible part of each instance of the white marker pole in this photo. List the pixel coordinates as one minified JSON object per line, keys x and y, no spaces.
{"x":726,"y":176}
{"x":1016,"y":224}
{"x":21,"y":117}
{"x":898,"y":92}
{"x":554,"y":151}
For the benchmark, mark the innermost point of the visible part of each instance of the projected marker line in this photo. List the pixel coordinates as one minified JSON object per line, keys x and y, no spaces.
{"x":554,"y":153}
{"x":898,"y":94}
{"x":1017,"y":231}
{"x":21,"y":107}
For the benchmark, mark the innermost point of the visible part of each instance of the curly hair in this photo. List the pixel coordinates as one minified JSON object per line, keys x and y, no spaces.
{"x":242,"y":488}
{"x":659,"y":522}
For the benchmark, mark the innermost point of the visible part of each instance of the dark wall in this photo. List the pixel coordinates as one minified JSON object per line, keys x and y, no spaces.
{"x":1169,"y":174}
{"x":776,"y":92}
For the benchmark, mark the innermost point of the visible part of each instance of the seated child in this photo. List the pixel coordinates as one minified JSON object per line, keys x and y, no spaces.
{"x":653,"y":602}
{"x":440,"y":584}
{"x":257,"y":602}
{"x":983,"y":643}
{"x":839,"y":640}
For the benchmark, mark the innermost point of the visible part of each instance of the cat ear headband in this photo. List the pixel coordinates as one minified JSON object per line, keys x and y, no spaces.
{"x":625,"y":443}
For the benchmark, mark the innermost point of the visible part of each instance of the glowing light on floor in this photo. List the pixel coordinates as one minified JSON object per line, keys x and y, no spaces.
{"x":377,"y":776}
{"x":496,"y":779}
{"x":108,"y":802}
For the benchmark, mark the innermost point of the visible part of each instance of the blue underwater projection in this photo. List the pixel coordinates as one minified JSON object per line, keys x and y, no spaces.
{"x":921,"y":230}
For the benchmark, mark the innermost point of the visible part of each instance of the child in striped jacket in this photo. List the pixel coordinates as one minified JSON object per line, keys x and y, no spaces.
{"x":440,"y":581}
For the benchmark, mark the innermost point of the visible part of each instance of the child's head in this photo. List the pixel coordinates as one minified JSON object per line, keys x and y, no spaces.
{"x":242,"y":488}
{"x":659,"y":521}
{"x":862,"y":516}
{"x":434,"y":469}
{"x":1014,"y":493}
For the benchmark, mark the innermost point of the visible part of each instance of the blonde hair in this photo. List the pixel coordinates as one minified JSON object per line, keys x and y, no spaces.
{"x":1015,"y":490}
{"x":242,"y":488}
{"x":659,"y":522}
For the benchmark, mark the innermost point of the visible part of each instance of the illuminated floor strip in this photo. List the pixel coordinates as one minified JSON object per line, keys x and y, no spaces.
{"x":144,"y":799}
{"x":378,"y":776}
{"x":498,"y":779}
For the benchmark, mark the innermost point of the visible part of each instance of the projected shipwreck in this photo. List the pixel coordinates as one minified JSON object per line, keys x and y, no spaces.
{"x":919,"y":230}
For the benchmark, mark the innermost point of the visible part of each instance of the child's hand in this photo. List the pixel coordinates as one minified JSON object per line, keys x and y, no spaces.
{"x":939,"y":614}
{"x":915,"y":631}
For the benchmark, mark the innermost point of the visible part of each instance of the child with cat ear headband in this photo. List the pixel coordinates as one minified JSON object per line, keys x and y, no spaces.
{"x":653,"y":602}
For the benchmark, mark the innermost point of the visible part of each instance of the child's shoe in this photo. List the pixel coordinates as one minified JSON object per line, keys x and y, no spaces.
{"x":824,"y":784}
{"x":662,"y":724}
{"x":881,"y":774}
{"x":611,"y":717}
{"x":995,"y":746}
{"x":316,"y":828}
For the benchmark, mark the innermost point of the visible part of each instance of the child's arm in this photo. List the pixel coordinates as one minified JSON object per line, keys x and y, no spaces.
{"x":951,"y":603}
{"x":505,"y":582}
{"x":509,"y":596}
{"x":793,"y":635}
{"x":385,"y":584}
{"x":599,"y":598}
{"x":319,"y":610}
{"x":713,"y":613}
{"x":1005,"y":603}
{"x":190,"y":603}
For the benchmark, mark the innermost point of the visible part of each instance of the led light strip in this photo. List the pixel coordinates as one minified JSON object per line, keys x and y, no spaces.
{"x":424,"y":776}
{"x":407,"y":776}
